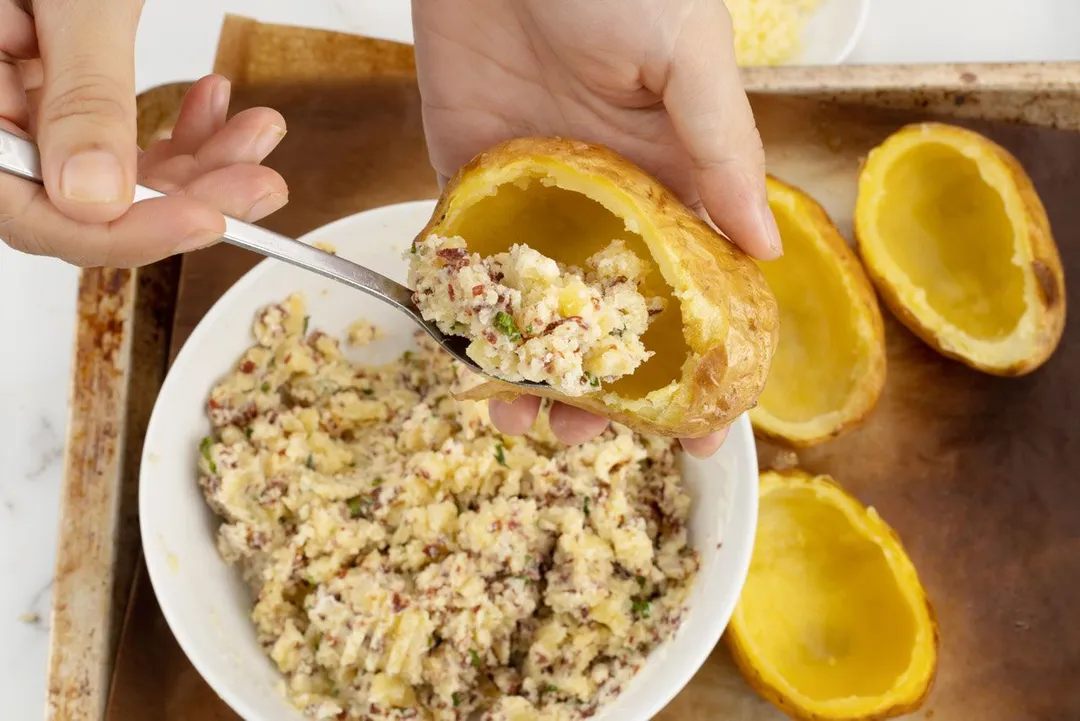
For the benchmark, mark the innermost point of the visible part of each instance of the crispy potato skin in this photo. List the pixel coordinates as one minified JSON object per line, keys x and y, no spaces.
{"x":830,"y":243}
{"x":743,"y":658}
{"x":730,"y":317}
{"x":1046,"y":263}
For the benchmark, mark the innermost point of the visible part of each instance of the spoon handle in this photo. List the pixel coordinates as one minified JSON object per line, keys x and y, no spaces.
{"x":19,"y":157}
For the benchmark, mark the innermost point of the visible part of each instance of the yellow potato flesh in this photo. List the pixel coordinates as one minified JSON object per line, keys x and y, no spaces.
{"x":817,"y":330}
{"x":822,"y":604}
{"x":569,"y":227}
{"x":955,"y":240}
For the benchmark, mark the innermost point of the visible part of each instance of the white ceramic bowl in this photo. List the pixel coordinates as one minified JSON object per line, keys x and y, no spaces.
{"x":833,"y":31}
{"x":204,"y":601}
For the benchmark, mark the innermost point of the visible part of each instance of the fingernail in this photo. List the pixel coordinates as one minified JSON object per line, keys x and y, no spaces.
{"x":772,"y":231}
{"x":266,"y":205}
{"x":94,"y":176}
{"x":197,"y":240}
{"x":268,"y":140}
{"x":219,"y":99}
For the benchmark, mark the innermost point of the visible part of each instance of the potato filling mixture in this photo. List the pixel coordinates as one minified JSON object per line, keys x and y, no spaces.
{"x":533,"y":319}
{"x":409,"y":562}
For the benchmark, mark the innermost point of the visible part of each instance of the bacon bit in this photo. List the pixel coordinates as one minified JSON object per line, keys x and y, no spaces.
{"x":497,"y":277}
{"x":287,"y":358}
{"x":618,"y":279}
{"x":596,"y":303}
{"x":450,"y":290}
{"x":214,"y":404}
{"x":453,"y":256}
{"x":247,"y":366}
{"x":489,"y":337}
{"x":477,"y":290}
{"x":655,"y":311}
{"x":555,"y":324}
{"x":400,"y":604}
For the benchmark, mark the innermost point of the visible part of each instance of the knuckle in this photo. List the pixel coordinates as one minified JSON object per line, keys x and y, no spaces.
{"x":89,"y":96}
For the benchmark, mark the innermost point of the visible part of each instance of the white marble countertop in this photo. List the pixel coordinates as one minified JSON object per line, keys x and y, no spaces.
{"x":177,"y":41}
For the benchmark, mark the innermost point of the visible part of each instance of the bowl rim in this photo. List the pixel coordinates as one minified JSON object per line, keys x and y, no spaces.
{"x":740,"y":526}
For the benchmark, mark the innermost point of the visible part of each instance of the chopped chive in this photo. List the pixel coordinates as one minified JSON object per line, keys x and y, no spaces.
{"x":357,"y":505}
{"x":500,"y":455}
{"x":551,"y":688}
{"x":413,"y":249}
{"x":248,"y":431}
{"x":377,"y":481}
{"x":369,"y":391}
{"x":593,"y":380}
{"x":459,"y":326}
{"x":585,"y":507}
{"x":505,"y":324}
{"x":310,"y":462}
{"x":641,"y":608}
{"x":407,"y":355}
{"x":307,"y":321}
{"x":456,"y":698}
{"x":204,"y":448}
{"x":265,"y":387}
{"x":474,"y":658}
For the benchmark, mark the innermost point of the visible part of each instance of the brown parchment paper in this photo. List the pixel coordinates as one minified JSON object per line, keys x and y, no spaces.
{"x":980,"y":475}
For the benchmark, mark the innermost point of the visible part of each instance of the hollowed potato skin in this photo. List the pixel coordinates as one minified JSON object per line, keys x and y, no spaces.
{"x":729,"y":315}
{"x":1049,"y":311}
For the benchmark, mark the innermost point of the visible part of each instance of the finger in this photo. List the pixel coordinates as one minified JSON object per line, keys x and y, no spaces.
{"x":202,"y":114}
{"x":247,"y":192}
{"x":13,"y":107}
{"x":706,"y":445}
{"x":247,"y":138}
{"x":711,"y":114}
{"x":573,"y":425}
{"x":17,"y":37}
{"x":87,"y":119}
{"x":516,"y":418}
{"x":149,"y":231}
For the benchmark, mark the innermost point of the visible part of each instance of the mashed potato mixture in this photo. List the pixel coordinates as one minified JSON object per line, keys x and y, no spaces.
{"x":408,"y":562}
{"x":533,"y":319}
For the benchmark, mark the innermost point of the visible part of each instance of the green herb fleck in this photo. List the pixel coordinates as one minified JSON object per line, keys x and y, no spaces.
{"x":505,"y":324}
{"x":248,"y":431}
{"x":641,"y":580}
{"x":641,"y":608}
{"x":528,"y":330}
{"x":456,"y":698}
{"x":500,"y":455}
{"x":585,"y":506}
{"x":204,"y":448}
{"x":310,"y":462}
{"x":357,"y":505}
{"x":459,"y":326}
{"x":265,"y":387}
{"x":406,"y":356}
{"x":593,"y":380}
{"x":551,"y":688}
{"x":369,"y":391}
{"x":307,"y":322}
{"x":474,"y":658}
{"x":413,"y":249}
{"x":377,"y":482}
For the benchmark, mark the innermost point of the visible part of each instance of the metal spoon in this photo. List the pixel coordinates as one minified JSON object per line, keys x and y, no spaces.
{"x":19,"y":157}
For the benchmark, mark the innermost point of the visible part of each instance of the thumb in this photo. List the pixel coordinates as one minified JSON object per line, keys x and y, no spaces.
{"x":712,"y":116}
{"x":86,"y":120}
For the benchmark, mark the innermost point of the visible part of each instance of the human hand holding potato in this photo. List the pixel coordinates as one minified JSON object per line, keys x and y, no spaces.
{"x":655,"y":81}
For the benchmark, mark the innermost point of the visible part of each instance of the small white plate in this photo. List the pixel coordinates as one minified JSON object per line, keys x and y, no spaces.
{"x":833,"y":32}
{"x":206,"y":604}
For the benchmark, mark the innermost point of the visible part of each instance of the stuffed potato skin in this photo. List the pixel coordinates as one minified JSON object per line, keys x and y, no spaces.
{"x":726,"y":314}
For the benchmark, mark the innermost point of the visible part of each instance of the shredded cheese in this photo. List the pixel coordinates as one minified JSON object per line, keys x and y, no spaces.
{"x":769,"y":32}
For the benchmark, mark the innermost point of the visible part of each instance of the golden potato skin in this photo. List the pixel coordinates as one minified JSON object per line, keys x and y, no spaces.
{"x":1046,"y":262}
{"x":742,"y":657}
{"x":730,"y":317}
{"x":872,"y":384}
